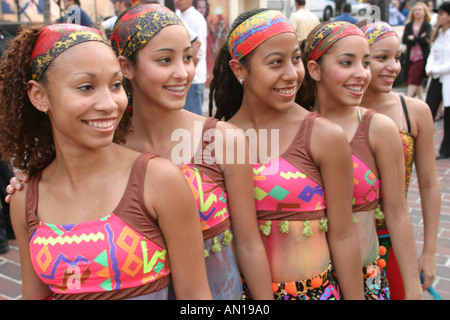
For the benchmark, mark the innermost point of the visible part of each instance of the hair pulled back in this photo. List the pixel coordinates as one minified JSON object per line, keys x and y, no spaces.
{"x":306,"y":95}
{"x":226,"y":92}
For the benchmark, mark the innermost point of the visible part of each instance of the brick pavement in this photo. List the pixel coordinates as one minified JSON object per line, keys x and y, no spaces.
{"x":10,"y":278}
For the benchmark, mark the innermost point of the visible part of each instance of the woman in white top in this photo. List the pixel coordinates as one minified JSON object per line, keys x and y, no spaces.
{"x":438,"y":67}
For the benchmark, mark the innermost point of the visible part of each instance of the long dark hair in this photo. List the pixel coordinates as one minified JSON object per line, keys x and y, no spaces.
{"x":225,"y":92}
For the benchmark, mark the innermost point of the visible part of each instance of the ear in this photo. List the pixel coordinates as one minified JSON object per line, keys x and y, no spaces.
{"x":38,"y":96}
{"x":239,"y":71}
{"x":314,"y":70}
{"x":127,"y":68}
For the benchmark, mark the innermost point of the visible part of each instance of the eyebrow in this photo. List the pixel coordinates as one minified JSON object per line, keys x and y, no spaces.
{"x":352,"y":55}
{"x":281,"y":53}
{"x":93,"y":75}
{"x":172,"y":50}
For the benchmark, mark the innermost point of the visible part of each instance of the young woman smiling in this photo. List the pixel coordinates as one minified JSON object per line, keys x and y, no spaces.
{"x":337,"y":59}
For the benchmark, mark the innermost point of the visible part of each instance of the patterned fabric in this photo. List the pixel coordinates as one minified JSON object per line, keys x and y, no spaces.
{"x":322,"y":287}
{"x":366,"y":185}
{"x":288,"y":190}
{"x":210,"y":198}
{"x":327,"y":36}
{"x":408,"y":150}
{"x":377,"y":31}
{"x":138,"y":25}
{"x":376,"y":286}
{"x":98,"y":256}
{"x":54,"y":40}
{"x":255,"y":30}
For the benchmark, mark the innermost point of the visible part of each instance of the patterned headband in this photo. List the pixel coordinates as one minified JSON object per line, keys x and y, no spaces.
{"x":327,"y":36}
{"x":138,"y":25}
{"x":378,"y":30}
{"x":255,"y":30}
{"x":54,"y":40}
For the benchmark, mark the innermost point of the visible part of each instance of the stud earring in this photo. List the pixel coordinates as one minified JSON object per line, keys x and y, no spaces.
{"x":241,"y":81}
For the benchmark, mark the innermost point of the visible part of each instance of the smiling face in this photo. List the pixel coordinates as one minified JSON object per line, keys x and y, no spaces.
{"x":84,"y":95}
{"x":385,"y":55}
{"x":164,"y":70}
{"x":343,"y":74}
{"x":275,"y":74}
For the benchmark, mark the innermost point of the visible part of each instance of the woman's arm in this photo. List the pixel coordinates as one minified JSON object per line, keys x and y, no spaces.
{"x":250,"y":251}
{"x":387,"y":146}
{"x":331,"y":151}
{"x":169,"y":198}
{"x":32,"y":286}
{"x":429,"y":187}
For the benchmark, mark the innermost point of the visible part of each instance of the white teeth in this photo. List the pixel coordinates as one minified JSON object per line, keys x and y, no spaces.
{"x":286,"y":91}
{"x":176,"y":89}
{"x":356,"y":89}
{"x":101,"y":124}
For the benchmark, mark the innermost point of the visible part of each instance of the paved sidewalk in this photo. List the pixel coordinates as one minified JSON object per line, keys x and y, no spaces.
{"x":10,"y":278}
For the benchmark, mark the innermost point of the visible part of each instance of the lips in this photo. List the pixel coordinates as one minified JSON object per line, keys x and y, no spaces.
{"x":355,"y":89}
{"x":286,"y":91}
{"x":101,"y":124}
{"x":178,"y":91}
{"x":388,"y":79}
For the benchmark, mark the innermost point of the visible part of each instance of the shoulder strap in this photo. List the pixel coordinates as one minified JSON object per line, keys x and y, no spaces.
{"x":405,"y":111}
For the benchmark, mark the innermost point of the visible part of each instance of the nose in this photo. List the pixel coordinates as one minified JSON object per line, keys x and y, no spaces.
{"x":293,"y":71}
{"x":181,"y":69}
{"x":362,"y":71}
{"x":105,"y":101}
{"x":393,"y":65}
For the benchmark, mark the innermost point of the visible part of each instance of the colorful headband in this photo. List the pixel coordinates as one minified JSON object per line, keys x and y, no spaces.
{"x":138,"y":25}
{"x":54,"y":40}
{"x":327,"y":36}
{"x":255,"y":30}
{"x":378,"y":30}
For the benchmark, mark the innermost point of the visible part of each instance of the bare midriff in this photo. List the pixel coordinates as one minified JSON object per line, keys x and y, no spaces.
{"x":365,"y":228}
{"x":294,"y":256}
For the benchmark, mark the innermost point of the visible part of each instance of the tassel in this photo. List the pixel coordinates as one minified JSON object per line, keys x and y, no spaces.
{"x":216,"y":247}
{"x":307,"y":231}
{"x":227,"y":237}
{"x":379,"y":214}
{"x":267,"y":228}
{"x":284,"y":226}
{"x":324,"y":224}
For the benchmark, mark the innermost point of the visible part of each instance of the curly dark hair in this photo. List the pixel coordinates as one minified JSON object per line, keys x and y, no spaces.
{"x":225,"y":92}
{"x":26,"y":139}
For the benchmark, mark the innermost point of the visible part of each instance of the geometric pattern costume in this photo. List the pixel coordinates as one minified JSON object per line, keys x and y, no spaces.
{"x":122,"y":255}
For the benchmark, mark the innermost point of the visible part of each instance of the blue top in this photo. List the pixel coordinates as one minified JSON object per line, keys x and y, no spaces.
{"x":346,"y":17}
{"x":70,"y":17}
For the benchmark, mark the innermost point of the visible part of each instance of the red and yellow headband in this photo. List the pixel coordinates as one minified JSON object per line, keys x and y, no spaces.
{"x":327,"y":36}
{"x":54,"y":40}
{"x":254,"y":31}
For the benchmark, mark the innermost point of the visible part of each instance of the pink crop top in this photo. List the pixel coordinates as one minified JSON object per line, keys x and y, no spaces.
{"x":290,"y":187}
{"x":208,"y":187}
{"x":122,"y":255}
{"x":366,"y":185}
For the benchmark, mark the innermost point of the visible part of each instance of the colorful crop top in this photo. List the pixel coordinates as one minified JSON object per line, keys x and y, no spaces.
{"x":408,"y":145}
{"x":122,"y":255}
{"x":366,"y":185}
{"x":290,"y":187}
{"x":206,"y":180}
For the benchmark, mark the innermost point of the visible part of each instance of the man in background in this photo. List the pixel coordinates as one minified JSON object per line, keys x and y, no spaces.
{"x":107,"y":25}
{"x":303,"y":20}
{"x":70,"y":16}
{"x":195,"y":21}
{"x":346,"y":14}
